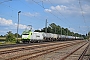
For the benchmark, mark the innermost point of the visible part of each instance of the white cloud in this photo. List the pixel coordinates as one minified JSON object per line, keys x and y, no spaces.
{"x":69,"y":9}
{"x":86,"y":9}
{"x":73,"y":30}
{"x":10,"y":24}
{"x":58,"y":8}
{"x":30,"y":14}
{"x":48,"y":10}
{"x":4,"y":22}
{"x":21,"y":26}
{"x":62,"y":7}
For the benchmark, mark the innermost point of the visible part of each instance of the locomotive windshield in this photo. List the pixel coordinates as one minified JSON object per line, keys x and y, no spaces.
{"x":25,"y":34}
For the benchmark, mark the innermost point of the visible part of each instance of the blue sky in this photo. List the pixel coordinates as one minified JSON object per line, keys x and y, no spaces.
{"x":71,"y":14}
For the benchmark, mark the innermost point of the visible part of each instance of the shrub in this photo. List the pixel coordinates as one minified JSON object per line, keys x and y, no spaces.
{"x":10,"y":37}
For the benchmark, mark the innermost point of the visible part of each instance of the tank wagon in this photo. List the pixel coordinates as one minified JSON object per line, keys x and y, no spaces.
{"x":29,"y":36}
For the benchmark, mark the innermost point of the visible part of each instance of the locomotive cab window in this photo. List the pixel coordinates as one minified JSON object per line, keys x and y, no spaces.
{"x":25,"y":34}
{"x":31,"y":33}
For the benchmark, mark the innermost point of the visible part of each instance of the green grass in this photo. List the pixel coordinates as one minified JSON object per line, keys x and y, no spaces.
{"x":3,"y":41}
{"x":4,"y":38}
{"x":6,"y":43}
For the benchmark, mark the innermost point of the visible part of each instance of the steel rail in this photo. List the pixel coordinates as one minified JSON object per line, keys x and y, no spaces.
{"x":29,"y":48}
{"x":83,"y":53}
{"x":73,"y":52}
{"x":43,"y":51}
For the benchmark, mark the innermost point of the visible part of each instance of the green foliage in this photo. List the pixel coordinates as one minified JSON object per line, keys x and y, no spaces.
{"x":19,"y":36}
{"x":56,"y":29}
{"x":84,"y":36}
{"x":10,"y":37}
{"x":88,"y":35}
{"x":2,"y":36}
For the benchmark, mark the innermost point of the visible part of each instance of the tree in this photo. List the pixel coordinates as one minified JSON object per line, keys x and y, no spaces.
{"x":84,"y":36}
{"x":53,"y":27}
{"x":16,"y":35}
{"x":37,"y":31}
{"x":56,"y":29}
{"x":49,"y":30}
{"x":88,"y":35}
{"x":1,"y":36}
{"x":10,"y":37}
{"x":43,"y":30}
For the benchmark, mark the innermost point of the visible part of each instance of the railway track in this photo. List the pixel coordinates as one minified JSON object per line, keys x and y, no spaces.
{"x":21,"y":48}
{"x":27,"y":48}
{"x":81,"y":56}
{"x":34,"y":51}
{"x":27,"y":57}
{"x":69,"y":53}
{"x":21,"y":45}
{"x":83,"y":53}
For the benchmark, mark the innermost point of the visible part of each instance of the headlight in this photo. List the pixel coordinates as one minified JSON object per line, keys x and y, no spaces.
{"x":24,"y":36}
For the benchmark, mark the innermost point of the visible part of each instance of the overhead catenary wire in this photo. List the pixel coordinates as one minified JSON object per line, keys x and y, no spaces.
{"x":30,"y":9}
{"x":64,"y":17}
{"x":5,"y":1}
{"x":33,"y":10}
{"x":45,"y":8}
{"x":12,"y":9}
{"x":49,"y":12}
{"x":42,"y":4}
{"x":82,"y":12}
{"x":7,"y":6}
{"x":57,"y":10}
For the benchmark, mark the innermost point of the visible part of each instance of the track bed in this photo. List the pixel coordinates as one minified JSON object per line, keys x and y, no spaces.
{"x":41,"y":51}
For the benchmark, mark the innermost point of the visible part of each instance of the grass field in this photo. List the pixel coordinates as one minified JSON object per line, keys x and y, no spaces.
{"x":3,"y":39}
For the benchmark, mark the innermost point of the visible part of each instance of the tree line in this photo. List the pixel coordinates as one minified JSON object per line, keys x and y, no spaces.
{"x":10,"y":32}
{"x":10,"y":37}
{"x":56,"y":29}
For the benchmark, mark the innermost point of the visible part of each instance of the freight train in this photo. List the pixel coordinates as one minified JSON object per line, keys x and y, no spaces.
{"x":29,"y":36}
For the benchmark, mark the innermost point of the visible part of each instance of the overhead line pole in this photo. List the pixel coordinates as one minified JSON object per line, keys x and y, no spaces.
{"x":61,"y":30}
{"x":18,"y":25}
{"x":49,"y":12}
{"x":67,"y":32}
{"x":46,"y":26}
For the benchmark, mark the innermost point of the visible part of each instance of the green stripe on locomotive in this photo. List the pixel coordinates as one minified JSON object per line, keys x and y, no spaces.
{"x":26,"y":32}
